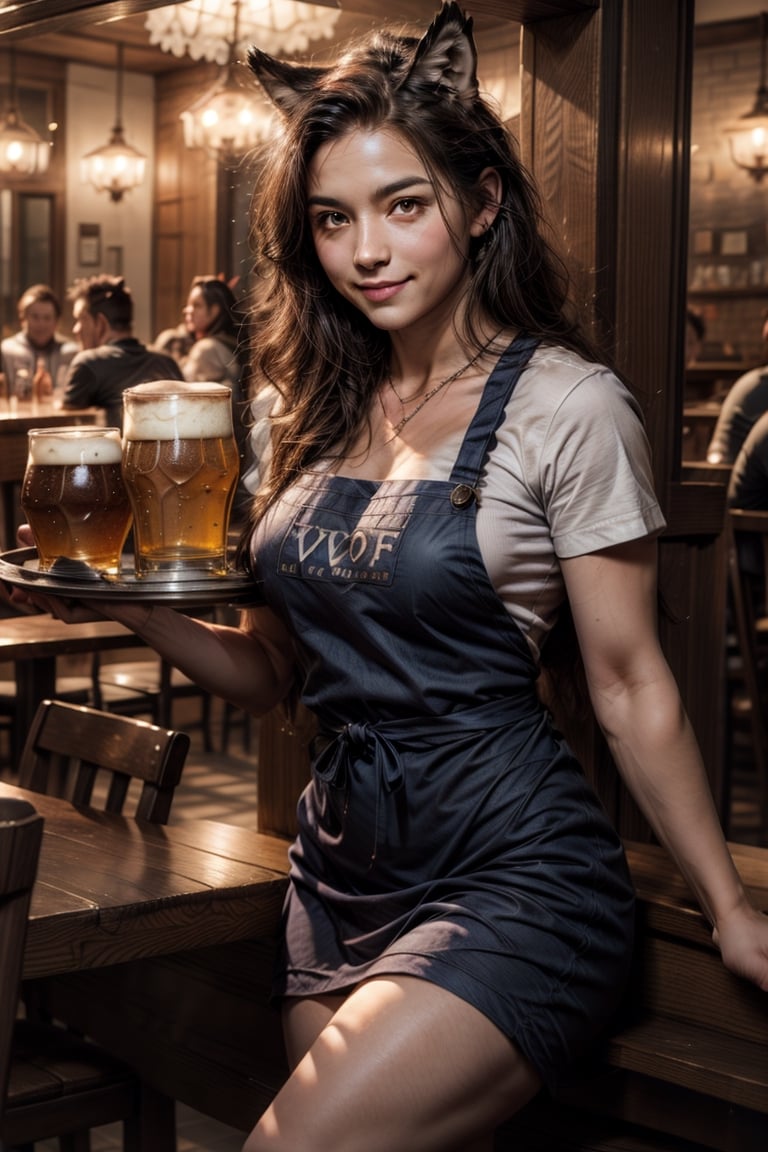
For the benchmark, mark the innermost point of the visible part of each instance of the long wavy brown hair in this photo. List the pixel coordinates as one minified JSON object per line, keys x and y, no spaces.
{"x":322,"y":355}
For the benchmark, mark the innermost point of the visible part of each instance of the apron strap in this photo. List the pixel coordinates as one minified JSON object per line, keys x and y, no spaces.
{"x":477,"y":442}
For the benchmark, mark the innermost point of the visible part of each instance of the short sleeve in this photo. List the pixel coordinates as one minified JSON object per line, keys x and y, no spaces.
{"x":595,"y":469}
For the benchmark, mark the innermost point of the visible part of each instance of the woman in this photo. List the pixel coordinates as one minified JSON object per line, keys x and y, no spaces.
{"x":449,"y":465}
{"x":210,"y":316}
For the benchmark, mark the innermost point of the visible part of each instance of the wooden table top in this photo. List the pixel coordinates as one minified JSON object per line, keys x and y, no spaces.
{"x":35,"y":414}
{"x":111,"y":889}
{"x":34,"y":643}
{"x":36,"y":636}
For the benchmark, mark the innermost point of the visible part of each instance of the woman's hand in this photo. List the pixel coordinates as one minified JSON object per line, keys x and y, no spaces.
{"x":65,"y":608}
{"x":742,"y":938}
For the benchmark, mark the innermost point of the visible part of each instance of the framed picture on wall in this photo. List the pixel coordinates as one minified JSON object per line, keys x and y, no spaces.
{"x":734,"y":243}
{"x":703,"y":242}
{"x":89,"y":245}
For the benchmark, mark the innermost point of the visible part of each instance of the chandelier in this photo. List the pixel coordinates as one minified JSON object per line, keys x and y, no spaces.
{"x":22,"y":151}
{"x":202,"y":28}
{"x":117,"y":166}
{"x":748,"y":140}
{"x":229,"y":120}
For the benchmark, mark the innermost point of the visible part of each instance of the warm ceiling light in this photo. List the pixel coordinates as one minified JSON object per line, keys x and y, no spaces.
{"x":749,"y":139}
{"x":228,"y":120}
{"x":22,"y":151}
{"x":117,"y":166}
{"x":201,"y":28}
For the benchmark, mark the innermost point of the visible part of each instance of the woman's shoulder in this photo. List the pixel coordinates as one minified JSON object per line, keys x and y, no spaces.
{"x":559,"y":381}
{"x":210,"y":358}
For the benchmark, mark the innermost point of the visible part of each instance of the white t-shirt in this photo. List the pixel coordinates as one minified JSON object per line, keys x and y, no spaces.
{"x":569,"y":474}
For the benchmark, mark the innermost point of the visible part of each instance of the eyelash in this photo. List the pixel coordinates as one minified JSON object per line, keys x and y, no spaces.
{"x":325,"y":219}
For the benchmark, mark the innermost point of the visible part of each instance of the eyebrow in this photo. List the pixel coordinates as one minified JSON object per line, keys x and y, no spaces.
{"x":380,"y":194}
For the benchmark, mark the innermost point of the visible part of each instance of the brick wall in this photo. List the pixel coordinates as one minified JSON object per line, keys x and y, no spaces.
{"x":728,"y":253}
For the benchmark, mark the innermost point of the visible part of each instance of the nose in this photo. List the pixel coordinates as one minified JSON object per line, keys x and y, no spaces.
{"x":371,"y":249}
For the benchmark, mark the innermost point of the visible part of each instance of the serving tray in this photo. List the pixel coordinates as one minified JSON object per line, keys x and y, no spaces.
{"x":75,"y":579}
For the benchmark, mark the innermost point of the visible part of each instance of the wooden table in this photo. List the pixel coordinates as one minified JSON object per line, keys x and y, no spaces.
{"x":34,"y":642}
{"x":15,"y":423}
{"x":111,"y":889}
{"x":133,"y":925}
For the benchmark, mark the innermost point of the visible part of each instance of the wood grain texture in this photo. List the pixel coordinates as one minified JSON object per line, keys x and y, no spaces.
{"x":111,"y":889}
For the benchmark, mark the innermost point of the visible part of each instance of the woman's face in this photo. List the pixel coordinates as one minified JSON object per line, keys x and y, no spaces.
{"x":198,"y":316}
{"x":379,"y":232}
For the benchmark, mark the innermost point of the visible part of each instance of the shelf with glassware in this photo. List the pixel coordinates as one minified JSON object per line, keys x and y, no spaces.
{"x":729,"y":261}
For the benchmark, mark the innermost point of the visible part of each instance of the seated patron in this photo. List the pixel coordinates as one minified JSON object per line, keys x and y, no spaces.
{"x":113,"y":359}
{"x":36,"y":346}
{"x":745,"y":402}
{"x":211,"y":315}
{"x":748,"y":486}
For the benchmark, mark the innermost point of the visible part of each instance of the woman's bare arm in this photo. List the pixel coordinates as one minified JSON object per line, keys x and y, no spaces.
{"x":638,"y":706}
{"x":251,"y":665}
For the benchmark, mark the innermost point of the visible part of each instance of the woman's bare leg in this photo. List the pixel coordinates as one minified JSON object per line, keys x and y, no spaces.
{"x":402,"y":1064}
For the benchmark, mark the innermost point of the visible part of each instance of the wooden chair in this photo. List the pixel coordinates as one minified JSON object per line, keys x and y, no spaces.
{"x":73,"y":689}
{"x":69,"y":745}
{"x":747,"y":536}
{"x":52,"y":1082}
{"x":148,"y":686}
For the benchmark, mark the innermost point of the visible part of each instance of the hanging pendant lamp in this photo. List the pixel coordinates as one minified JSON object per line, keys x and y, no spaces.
{"x":117,"y":167}
{"x":22,"y":151}
{"x":228,"y":120}
{"x":748,"y":140}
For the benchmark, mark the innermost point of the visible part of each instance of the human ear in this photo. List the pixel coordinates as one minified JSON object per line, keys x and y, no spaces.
{"x":489,"y":189}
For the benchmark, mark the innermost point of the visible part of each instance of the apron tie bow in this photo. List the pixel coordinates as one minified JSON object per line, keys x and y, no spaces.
{"x":358,"y":739}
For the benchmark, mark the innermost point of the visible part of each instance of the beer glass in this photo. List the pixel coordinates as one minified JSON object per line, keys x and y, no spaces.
{"x":74,"y":498}
{"x":180,"y":466}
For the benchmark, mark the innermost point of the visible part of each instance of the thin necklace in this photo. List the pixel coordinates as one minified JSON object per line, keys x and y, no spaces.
{"x":397,"y":428}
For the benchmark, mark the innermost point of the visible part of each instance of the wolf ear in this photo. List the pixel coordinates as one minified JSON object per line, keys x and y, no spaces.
{"x":446,"y":55}
{"x":285,"y":84}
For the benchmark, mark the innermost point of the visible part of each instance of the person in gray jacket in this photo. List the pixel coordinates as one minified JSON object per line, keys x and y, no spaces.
{"x":37,"y":341}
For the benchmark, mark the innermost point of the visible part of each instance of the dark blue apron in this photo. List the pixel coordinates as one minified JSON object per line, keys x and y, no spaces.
{"x":447,"y":831}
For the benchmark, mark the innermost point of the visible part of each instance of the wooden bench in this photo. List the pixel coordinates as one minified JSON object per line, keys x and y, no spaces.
{"x":687,"y":1070}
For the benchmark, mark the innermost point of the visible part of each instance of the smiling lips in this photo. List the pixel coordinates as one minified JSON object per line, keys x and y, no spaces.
{"x":380,"y":292}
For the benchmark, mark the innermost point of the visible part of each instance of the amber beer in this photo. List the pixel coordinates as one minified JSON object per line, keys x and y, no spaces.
{"x":74,"y":498}
{"x":180,"y":466}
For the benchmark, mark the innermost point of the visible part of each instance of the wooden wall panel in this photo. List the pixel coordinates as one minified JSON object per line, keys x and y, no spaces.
{"x":186,"y":204}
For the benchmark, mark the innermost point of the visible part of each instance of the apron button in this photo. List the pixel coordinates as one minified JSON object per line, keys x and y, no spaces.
{"x":462,"y":496}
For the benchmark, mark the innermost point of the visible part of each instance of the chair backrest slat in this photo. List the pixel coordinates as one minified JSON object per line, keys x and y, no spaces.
{"x":69,"y":745}
{"x":21,"y":830}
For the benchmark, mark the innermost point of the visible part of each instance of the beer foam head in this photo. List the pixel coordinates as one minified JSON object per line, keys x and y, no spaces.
{"x":170,"y":410}
{"x":66,"y":446}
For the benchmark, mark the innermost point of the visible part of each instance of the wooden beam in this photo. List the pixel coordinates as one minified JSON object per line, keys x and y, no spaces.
{"x":57,"y":15}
